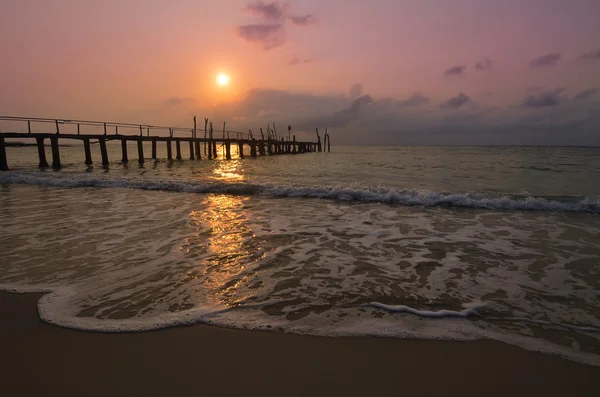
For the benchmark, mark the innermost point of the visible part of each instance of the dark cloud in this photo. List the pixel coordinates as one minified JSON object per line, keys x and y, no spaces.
{"x":545,"y":60}
{"x":268,"y":11}
{"x":415,"y":99}
{"x":483,"y":65}
{"x":456,"y":102}
{"x":544,"y":99}
{"x":456,"y":70}
{"x":358,"y":104}
{"x":585,"y":94}
{"x":296,"y":61}
{"x":356,"y":90}
{"x":266,"y":35}
{"x":591,"y":55}
{"x":305,"y":20}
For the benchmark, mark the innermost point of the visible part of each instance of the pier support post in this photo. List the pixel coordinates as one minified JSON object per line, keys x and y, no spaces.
{"x":228,"y":150}
{"x":3,"y":161}
{"x":191,"y":150}
{"x":55,"y":152}
{"x":140,"y":144}
{"x":88,"y":151}
{"x":178,"y":149}
{"x":103,"y":151}
{"x":209,"y":149}
{"x":154,"y":149}
{"x":169,"y":150}
{"x":124,"y":150}
{"x":41,"y":152}
{"x":198,"y":155}
{"x":261,"y":148}
{"x":253,"y":148}
{"x":294,"y":145}
{"x":241,"y":150}
{"x":214,"y":149}
{"x":269,"y":147}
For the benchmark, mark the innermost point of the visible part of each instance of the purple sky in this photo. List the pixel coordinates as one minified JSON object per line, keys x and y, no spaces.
{"x":382,"y":71}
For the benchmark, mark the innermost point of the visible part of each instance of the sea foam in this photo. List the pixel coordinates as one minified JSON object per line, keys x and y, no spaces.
{"x":477,"y":200}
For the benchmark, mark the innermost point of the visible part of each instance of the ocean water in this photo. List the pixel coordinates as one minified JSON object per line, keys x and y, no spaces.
{"x":457,"y":243}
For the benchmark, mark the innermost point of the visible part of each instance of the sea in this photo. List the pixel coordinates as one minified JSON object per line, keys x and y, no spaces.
{"x":442,"y":243}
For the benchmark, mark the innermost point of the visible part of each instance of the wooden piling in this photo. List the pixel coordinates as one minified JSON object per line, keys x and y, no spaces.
{"x":3,"y":161}
{"x":125,"y":159}
{"x":228,"y":150}
{"x":191,"y":150}
{"x":41,"y":152}
{"x":241,"y":149}
{"x":198,"y":155}
{"x":319,"y":141}
{"x":169,"y":152}
{"x":178,"y":149}
{"x":55,"y":152}
{"x":214,"y":149}
{"x":253,"y":148}
{"x":88,"y":151}
{"x":103,"y":151}
{"x":140,"y":145}
{"x":294,"y":145}
{"x":154,"y":149}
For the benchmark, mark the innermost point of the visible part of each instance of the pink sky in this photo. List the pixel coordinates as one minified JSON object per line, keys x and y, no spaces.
{"x":156,"y":61}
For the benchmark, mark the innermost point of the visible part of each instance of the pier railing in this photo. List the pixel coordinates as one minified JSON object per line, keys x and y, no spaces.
{"x":85,"y":130}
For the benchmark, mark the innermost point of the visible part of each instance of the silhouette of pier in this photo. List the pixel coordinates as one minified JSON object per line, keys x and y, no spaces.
{"x":90,"y":132}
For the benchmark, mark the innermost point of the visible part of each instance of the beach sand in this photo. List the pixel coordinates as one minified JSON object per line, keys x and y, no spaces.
{"x":45,"y":360}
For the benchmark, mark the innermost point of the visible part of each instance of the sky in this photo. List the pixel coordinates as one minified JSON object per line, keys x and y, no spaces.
{"x":372,"y":72}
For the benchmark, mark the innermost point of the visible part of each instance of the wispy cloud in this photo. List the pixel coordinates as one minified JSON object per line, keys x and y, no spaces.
{"x":590,"y":55}
{"x":266,"y":35}
{"x":545,"y":99}
{"x":296,"y":61}
{"x":585,"y":94}
{"x":456,"y":70}
{"x":415,"y":99}
{"x":305,"y":20}
{"x":545,"y":60}
{"x":268,"y":11}
{"x":483,"y":65}
{"x":456,"y":102}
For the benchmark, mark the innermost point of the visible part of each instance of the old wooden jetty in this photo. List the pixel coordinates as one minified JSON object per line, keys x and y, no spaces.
{"x":88,"y":132}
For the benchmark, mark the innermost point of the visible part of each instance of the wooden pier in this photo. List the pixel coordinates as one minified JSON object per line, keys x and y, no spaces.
{"x":89,"y":132}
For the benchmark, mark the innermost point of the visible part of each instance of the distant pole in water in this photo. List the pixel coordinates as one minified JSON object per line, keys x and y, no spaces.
{"x":289,"y":132}
{"x":194,"y":134}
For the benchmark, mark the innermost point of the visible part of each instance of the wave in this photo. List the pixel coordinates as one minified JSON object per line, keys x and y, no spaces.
{"x":589,"y":204}
{"x":469,"y":311}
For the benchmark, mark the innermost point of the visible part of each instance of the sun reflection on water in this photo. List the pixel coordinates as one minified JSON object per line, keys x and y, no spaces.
{"x":228,"y":171}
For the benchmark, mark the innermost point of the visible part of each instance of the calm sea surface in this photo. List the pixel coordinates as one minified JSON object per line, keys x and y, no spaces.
{"x":454,"y":243}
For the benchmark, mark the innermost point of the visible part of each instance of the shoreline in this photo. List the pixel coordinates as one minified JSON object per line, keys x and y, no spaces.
{"x":43,"y":359}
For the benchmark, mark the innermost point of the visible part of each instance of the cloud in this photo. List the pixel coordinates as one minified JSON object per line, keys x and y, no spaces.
{"x":269,"y":12}
{"x":175,"y":101}
{"x":296,"y":61}
{"x":534,"y":88}
{"x":305,"y":20}
{"x":415,"y":99}
{"x":456,"y":102}
{"x":545,"y":60}
{"x":483,"y":65}
{"x":356,"y":90}
{"x":455,"y":70}
{"x":591,"y":55}
{"x":266,"y":35}
{"x":544,"y":99}
{"x":585,"y":94}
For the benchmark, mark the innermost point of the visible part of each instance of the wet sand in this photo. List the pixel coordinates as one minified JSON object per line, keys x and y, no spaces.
{"x":38,"y":359}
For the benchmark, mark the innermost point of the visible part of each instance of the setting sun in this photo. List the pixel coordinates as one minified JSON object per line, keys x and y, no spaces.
{"x":222,"y":79}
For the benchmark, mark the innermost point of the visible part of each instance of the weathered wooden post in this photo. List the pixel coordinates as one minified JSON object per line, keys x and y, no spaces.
{"x":328,"y":141}
{"x":41,"y":152}
{"x":169,"y":152}
{"x":55,"y":152}
{"x":318,"y":140}
{"x":125,"y":159}
{"x":154,"y":148}
{"x":88,"y":151}
{"x":140,"y":145}
{"x":57,"y":129}
{"x":241,"y":149}
{"x":191,"y":149}
{"x":3,"y":161}
{"x":228,"y":150}
{"x":103,"y":151}
{"x":325,"y":140}
{"x":205,"y":132}
{"x":209,"y":141}
{"x":104,"y":127}
{"x":178,"y":149}
{"x":29,"y":126}
{"x":253,"y":147}
{"x":294,"y":145}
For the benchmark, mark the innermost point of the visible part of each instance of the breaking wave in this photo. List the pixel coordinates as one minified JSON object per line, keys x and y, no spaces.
{"x":589,"y":204}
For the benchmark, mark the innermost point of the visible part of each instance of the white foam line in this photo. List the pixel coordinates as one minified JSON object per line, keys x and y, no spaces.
{"x":473,"y":310}
{"x":580,"y":328}
{"x":381,"y":195}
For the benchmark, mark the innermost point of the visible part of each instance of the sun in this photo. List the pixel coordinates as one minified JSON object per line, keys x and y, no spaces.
{"x":222,"y":79}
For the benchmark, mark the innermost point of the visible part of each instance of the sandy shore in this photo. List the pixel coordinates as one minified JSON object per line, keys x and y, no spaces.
{"x":37,"y":359}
